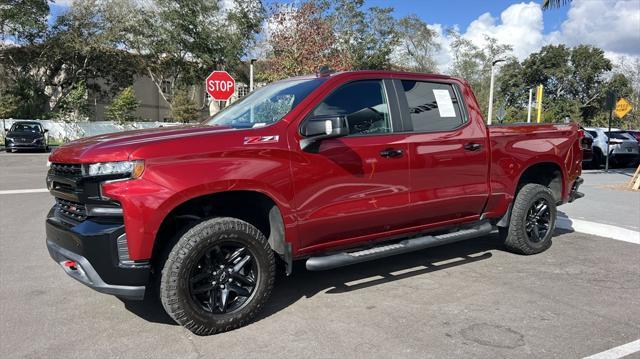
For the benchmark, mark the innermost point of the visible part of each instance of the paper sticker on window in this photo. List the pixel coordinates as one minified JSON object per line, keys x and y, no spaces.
{"x":445,"y":105}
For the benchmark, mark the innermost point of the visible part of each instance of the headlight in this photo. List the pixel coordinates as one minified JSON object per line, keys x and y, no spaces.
{"x":131,"y":169}
{"x":8,"y":139}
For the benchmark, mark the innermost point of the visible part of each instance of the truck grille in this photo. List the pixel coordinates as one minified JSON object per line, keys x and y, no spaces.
{"x":66,"y":170}
{"x":73,"y":210}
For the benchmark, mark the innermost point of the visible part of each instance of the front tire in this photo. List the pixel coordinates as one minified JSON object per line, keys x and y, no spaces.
{"x":218,"y":276}
{"x":533,"y":221}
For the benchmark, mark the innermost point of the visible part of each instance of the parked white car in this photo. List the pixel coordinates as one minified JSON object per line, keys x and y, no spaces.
{"x":623,"y":148}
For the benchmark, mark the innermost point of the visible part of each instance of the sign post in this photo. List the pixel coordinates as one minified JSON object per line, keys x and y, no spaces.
{"x":609,"y":105}
{"x":220,"y":85}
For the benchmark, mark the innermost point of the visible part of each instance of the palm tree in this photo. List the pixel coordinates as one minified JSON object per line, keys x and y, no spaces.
{"x":547,"y":4}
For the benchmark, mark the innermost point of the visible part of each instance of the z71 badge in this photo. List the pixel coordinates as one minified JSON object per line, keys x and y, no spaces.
{"x":260,"y":139}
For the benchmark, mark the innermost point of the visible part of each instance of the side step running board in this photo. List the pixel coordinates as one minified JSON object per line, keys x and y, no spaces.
{"x":405,"y":246}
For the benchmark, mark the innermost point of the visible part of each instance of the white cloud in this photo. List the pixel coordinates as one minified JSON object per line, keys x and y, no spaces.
{"x":613,"y":25}
{"x":520,"y":26}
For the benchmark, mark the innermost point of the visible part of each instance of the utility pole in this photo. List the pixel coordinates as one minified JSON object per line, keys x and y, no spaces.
{"x":490,"y":112}
{"x":529,"y":108}
{"x":610,"y":105}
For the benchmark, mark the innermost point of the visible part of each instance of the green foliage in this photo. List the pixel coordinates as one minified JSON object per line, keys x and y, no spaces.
{"x":9,"y":105}
{"x":184,"y":109}
{"x":418,"y":45}
{"x":23,"y":21}
{"x":367,"y":35}
{"x":473,"y":63}
{"x":181,"y":42}
{"x":341,"y":34}
{"x":74,"y":107}
{"x":573,"y":78}
{"x":123,"y":107}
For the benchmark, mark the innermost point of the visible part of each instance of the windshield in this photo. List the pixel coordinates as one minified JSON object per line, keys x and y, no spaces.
{"x":266,"y":105}
{"x":26,"y":127}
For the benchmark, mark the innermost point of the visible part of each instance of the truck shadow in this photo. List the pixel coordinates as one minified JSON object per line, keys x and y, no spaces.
{"x":306,"y":284}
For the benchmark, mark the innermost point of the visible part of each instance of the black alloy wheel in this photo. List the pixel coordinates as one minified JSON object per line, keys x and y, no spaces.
{"x":217,"y":276}
{"x":224,"y":278}
{"x":538,"y":220}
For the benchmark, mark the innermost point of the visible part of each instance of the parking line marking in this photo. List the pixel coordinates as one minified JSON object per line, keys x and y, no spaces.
{"x":618,"y":352}
{"x":599,"y":229}
{"x":21,"y":191}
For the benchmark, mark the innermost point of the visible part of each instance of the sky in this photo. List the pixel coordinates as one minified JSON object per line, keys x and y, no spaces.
{"x":613,"y":25}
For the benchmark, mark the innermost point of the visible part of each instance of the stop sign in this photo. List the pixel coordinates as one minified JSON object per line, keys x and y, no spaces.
{"x":220,"y":85}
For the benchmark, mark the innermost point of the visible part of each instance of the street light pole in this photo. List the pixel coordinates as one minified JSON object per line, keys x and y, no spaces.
{"x":529,"y":107}
{"x":490,"y":114}
{"x":251,"y":74}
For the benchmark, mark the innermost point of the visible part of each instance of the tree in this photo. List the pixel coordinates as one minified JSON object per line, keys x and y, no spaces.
{"x":123,"y":107}
{"x":9,"y":105}
{"x":74,"y":107}
{"x":42,"y":70}
{"x":301,"y":40}
{"x":629,"y":68}
{"x":367,"y":37}
{"x":574,"y":82}
{"x":184,"y":109}
{"x":418,"y":45}
{"x":23,"y":21}
{"x":180,"y":42}
{"x":474,"y":63}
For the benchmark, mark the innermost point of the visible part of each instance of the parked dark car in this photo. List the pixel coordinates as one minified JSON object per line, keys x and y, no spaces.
{"x":26,"y":135}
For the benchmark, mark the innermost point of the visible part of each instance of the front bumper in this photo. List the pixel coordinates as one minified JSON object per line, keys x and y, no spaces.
{"x":19,"y":146}
{"x":88,"y":252}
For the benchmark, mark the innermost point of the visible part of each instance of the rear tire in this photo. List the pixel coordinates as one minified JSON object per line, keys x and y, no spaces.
{"x":217,"y":276}
{"x":533,"y":220}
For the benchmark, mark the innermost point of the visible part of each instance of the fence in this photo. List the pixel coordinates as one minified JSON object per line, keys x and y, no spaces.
{"x":66,"y":131}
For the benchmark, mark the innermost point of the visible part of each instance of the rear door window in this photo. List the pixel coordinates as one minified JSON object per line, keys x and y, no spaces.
{"x":432,"y":106}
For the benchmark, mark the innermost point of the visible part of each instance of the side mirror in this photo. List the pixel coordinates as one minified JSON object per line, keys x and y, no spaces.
{"x":321,"y":128}
{"x":6,"y":129}
{"x":45,"y":130}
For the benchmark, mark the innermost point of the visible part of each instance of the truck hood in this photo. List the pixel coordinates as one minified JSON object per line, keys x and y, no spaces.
{"x":118,"y":146}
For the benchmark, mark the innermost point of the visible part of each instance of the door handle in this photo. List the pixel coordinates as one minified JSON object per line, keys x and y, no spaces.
{"x":391,"y":153}
{"x":472,"y":146}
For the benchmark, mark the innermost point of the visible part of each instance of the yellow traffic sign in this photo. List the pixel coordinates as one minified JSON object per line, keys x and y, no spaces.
{"x":622,"y":108}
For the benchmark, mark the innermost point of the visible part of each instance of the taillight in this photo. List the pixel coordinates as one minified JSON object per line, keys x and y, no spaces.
{"x":580,"y":133}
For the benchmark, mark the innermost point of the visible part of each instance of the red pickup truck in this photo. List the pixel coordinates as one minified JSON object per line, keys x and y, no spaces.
{"x":334,"y":169}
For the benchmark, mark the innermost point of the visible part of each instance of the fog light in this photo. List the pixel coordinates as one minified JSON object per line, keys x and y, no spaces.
{"x":70,"y":264}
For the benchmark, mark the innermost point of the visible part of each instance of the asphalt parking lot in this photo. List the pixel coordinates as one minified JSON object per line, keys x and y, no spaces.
{"x":466,"y":300}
